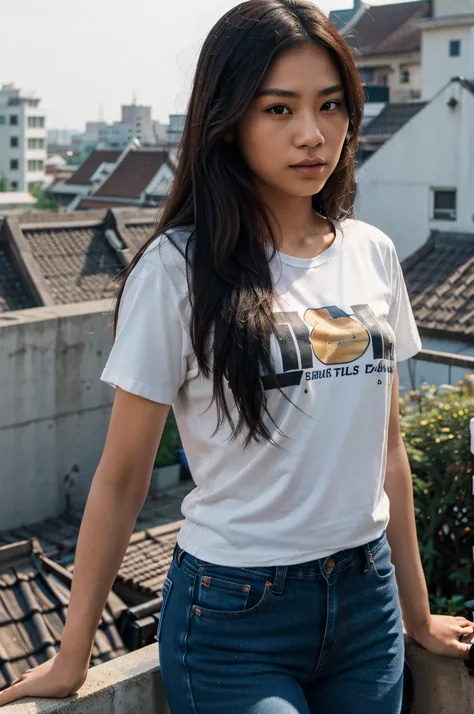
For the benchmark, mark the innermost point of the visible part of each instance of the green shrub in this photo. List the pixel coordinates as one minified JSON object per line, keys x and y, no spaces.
{"x":435,"y":428}
{"x":170,"y":442}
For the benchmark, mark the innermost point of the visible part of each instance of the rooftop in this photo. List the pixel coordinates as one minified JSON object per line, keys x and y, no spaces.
{"x":388,"y":29}
{"x":62,"y":258}
{"x":34,"y":597}
{"x":391,"y":119}
{"x":83,"y":175}
{"x":133,"y":174}
{"x":440,"y":281}
{"x":14,"y":295}
{"x":35,"y":577}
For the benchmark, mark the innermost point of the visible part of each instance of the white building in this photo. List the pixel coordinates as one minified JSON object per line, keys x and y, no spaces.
{"x":22,"y":139}
{"x":419,"y":189}
{"x":447,"y":44}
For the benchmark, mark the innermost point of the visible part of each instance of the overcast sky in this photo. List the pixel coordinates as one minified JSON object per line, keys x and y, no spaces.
{"x":86,"y":58}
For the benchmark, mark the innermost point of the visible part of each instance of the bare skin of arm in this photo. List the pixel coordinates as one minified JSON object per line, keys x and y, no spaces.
{"x":437,"y":633}
{"x":117,"y":494}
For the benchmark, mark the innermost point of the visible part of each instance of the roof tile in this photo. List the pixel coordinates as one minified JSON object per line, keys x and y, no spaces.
{"x":388,"y":29}
{"x":438,"y":276}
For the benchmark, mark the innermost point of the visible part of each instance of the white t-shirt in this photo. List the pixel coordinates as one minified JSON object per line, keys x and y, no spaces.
{"x":344,"y":318}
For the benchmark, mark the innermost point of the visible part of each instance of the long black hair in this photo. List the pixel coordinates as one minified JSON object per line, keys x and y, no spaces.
{"x":230,"y":284}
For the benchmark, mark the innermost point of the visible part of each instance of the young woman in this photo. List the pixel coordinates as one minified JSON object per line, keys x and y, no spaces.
{"x":272,"y":322}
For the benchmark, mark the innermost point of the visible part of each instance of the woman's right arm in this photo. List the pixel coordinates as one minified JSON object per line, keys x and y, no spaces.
{"x":117,"y":494}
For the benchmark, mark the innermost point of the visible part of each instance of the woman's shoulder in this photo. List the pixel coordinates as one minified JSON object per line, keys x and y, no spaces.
{"x":165,"y":259}
{"x":361,"y":231}
{"x":169,"y":246}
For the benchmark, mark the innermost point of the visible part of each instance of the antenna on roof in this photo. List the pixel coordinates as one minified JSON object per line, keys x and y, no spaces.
{"x":134,"y":97}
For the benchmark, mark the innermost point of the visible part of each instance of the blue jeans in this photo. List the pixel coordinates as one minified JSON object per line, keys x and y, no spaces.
{"x":323,"y":637}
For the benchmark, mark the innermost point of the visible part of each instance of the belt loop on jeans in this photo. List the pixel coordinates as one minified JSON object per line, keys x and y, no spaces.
{"x":179,"y":554}
{"x":280,"y":579}
{"x":367,"y":557}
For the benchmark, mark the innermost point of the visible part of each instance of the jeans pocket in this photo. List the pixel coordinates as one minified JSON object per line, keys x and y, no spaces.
{"x":168,"y":584}
{"x":384,"y":569}
{"x":229,"y":595}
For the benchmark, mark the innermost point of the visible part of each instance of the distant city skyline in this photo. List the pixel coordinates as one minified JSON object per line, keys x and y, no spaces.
{"x":85,"y":62}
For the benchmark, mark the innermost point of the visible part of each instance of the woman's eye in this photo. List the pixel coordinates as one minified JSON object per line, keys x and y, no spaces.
{"x":332,"y":105}
{"x":278,"y":109}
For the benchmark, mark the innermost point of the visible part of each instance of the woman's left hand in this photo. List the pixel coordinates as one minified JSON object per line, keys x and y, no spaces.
{"x":443,"y":635}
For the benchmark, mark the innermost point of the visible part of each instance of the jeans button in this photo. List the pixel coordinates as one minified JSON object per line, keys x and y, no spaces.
{"x":330,"y":565}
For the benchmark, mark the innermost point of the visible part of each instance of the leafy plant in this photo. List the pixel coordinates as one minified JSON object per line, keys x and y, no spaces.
{"x":435,"y":427}
{"x":170,"y":442}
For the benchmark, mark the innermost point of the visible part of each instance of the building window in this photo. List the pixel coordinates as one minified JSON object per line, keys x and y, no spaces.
{"x":40,"y":165}
{"x":13,"y":164}
{"x":2,"y":119}
{"x":13,"y":120}
{"x":455,"y":48}
{"x":405,"y":76}
{"x":444,"y":204}
{"x":385,"y":80}
{"x":13,"y":185}
{"x":367,"y":75}
{"x":14,"y":142}
{"x":40,"y":143}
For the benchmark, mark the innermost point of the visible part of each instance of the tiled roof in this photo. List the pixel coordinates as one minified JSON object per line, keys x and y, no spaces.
{"x":440,"y":281}
{"x":77,"y":263}
{"x":34,"y":596}
{"x":89,"y":203}
{"x":13,"y":293}
{"x":58,"y":536}
{"x":146,"y":562}
{"x":387,"y":29}
{"x":391,"y":119}
{"x":340,"y":18}
{"x":136,"y":234}
{"x":82,"y":177}
{"x":133,"y":174}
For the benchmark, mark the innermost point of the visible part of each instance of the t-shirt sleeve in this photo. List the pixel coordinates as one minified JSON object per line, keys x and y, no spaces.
{"x":148,"y":356}
{"x":401,"y":318}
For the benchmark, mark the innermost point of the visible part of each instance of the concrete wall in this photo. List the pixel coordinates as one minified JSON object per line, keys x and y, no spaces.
{"x":54,"y":410}
{"x":450,"y":8}
{"x":433,"y":151}
{"x":132,"y":685}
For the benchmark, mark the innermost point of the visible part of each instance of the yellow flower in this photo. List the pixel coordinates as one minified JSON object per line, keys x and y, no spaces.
{"x":426,"y":491}
{"x":440,"y":417}
{"x":438,"y":440}
{"x":446,"y":429}
{"x":451,"y":436}
{"x":423,"y":422}
{"x":461,"y":412}
{"x":467,"y":530}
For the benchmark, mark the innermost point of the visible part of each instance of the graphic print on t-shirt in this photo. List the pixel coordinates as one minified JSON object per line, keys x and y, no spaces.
{"x":337,"y":338}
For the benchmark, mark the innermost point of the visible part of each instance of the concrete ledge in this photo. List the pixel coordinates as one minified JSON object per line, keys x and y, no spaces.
{"x":442,"y":685}
{"x":126,"y":685}
{"x":132,"y":685}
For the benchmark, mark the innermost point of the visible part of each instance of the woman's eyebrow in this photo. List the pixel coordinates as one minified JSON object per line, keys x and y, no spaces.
{"x":274,"y":92}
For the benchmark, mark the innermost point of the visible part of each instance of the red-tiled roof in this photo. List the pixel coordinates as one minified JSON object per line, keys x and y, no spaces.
{"x":133,"y":174}
{"x":82,"y":177}
{"x":388,"y":29}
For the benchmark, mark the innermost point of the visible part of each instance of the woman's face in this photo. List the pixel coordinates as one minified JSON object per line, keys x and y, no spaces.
{"x":299,"y":114}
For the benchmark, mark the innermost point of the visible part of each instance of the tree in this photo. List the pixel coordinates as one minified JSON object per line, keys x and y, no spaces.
{"x":44,"y":202}
{"x":3,"y":185}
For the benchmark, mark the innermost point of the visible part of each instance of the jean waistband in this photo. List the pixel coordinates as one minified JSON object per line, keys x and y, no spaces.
{"x":312,"y":570}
